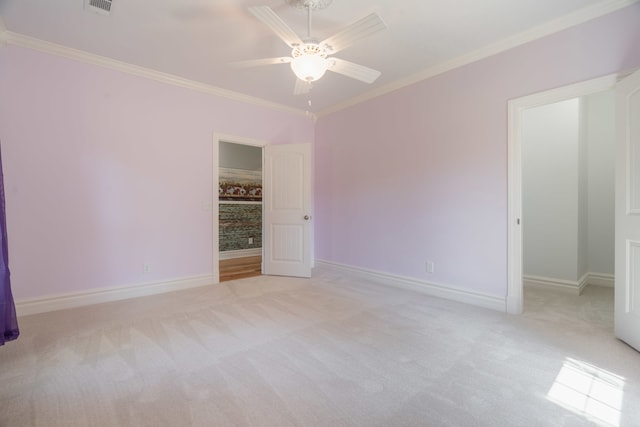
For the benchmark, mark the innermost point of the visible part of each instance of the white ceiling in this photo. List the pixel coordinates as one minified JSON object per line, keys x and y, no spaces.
{"x":197,"y":39}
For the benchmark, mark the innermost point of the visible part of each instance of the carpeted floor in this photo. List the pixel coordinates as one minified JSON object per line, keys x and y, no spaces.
{"x":330,"y":351}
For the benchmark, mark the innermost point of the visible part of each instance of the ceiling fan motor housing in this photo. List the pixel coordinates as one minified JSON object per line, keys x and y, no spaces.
{"x":311,"y":4}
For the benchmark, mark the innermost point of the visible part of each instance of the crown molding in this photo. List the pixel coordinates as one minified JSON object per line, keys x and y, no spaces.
{"x":556,"y":25}
{"x":535,"y":33}
{"x":63,"y":51}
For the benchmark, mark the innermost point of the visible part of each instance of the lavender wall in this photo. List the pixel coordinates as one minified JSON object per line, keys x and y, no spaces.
{"x":421,"y":173}
{"x":106,"y":171}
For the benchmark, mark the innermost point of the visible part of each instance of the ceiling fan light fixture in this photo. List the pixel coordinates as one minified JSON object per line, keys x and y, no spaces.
{"x":309,"y":62}
{"x":309,"y":68}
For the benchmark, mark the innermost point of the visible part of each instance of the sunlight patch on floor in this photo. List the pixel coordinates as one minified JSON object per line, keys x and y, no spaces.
{"x":589,"y":391}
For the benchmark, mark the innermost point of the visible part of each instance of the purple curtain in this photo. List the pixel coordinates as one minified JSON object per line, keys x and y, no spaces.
{"x":8,"y":320}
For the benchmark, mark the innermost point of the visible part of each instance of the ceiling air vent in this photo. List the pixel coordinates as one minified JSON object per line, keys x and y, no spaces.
{"x":102,"y":7}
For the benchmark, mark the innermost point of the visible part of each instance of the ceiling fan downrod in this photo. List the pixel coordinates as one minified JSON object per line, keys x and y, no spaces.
{"x":308,"y":20}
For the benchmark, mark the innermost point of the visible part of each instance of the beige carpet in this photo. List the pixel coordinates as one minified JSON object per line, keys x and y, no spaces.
{"x":330,"y":351}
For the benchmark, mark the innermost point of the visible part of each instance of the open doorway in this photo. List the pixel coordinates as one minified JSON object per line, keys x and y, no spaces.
{"x":517,"y":109}
{"x":568,"y":199}
{"x":240,"y":176}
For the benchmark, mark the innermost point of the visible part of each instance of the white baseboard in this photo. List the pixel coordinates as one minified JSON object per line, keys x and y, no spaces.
{"x":582,"y":283}
{"x":240,"y":253}
{"x":479,"y":299}
{"x":573,"y":286}
{"x":601,"y":279}
{"x":97,"y":296}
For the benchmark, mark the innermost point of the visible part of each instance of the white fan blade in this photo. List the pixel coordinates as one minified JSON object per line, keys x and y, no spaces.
{"x":277,"y":25}
{"x":259,"y":62}
{"x":365,"y":27}
{"x":355,"y":71}
{"x":301,"y":87}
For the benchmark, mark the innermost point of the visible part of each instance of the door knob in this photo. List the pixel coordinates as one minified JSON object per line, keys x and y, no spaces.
{"x":307,"y":217}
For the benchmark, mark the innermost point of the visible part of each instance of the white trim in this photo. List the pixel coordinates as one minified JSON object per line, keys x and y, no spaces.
{"x":239,"y":202}
{"x":633,"y":205}
{"x":478,"y":299}
{"x":574,"y":286}
{"x":578,"y":17}
{"x":601,"y":279}
{"x":102,"y":61}
{"x":516,"y":108}
{"x":99,"y":296}
{"x":582,"y":283}
{"x":567,"y":92}
{"x":239,"y":139}
{"x":514,"y":210}
{"x":240,"y":253}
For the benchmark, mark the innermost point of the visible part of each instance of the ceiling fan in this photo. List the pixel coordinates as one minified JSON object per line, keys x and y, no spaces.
{"x":309,"y":58}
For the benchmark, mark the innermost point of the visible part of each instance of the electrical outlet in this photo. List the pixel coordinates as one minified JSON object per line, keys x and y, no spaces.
{"x":251,"y":240}
{"x":146,"y":268}
{"x":430,"y":266}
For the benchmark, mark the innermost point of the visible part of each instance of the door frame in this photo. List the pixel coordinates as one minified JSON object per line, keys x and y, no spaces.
{"x":215,"y":212}
{"x":516,"y":107}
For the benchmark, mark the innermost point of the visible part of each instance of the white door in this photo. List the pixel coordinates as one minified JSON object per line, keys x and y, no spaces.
{"x":627,"y":239}
{"x":287,"y":210}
